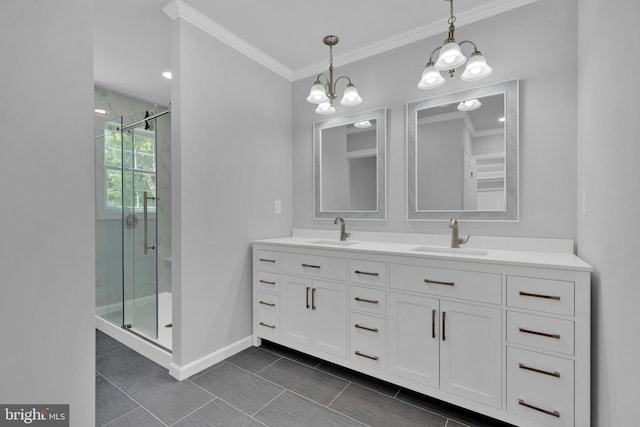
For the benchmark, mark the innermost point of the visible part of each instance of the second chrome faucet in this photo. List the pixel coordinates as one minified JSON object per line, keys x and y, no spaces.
{"x":456,"y":240}
{"x":343,"y":229}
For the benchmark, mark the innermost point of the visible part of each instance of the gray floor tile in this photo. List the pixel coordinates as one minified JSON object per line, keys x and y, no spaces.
{"x":291,"y":354}
{"x":167,"y":398}
{"x":455,"y":413}
{"x":105,"y":344}
{"x":316,"y":385}
{"x":125,"y":366}
{"x":111,"y":403}
{"x":376,"y":409}
{"x":218,"y":414}
{"x":136,"y":418}
{"x":240,"y":388}
{"x":253,"y":359}
{"x":291,"y":410}
{"x":358,"y":378}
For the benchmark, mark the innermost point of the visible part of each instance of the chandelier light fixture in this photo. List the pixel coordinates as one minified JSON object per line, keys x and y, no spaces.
{"x":325,"y":94}
{"x":451,"y":57}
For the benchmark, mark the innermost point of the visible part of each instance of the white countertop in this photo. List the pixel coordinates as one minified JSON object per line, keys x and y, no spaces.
{"x":531,"y":258}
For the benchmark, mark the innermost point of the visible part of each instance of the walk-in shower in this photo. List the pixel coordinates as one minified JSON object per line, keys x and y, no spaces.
{"x":133,"y":199}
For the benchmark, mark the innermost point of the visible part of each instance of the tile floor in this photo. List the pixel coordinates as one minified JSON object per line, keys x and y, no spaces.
{"x":266,"y":386}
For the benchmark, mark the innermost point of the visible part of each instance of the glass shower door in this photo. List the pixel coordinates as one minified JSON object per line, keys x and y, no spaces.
{"x":139,"y":231}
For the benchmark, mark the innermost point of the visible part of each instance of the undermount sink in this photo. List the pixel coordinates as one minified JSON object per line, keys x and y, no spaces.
{"x":453,"y":251}
{"x":334,"y":242}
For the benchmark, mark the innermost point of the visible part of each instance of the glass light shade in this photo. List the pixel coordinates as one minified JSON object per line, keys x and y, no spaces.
{"x":431,"y":78}
{"x":450,"y":57}
{"x":351,"y":96}
{"x":476,"y":69}
{"x":469,"y":105}
{"x":325,"y":108}
{"x":317,"y":95}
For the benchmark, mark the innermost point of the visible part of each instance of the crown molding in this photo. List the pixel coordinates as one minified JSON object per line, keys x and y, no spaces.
{"x":479,"y":13}
{"x":179,"y":9}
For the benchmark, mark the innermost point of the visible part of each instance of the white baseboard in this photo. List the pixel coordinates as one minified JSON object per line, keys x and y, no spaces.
{"x":183,"y":372}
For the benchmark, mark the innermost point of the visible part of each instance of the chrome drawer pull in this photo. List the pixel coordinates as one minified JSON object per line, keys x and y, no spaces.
{"x":366,"y":273}
{"x":437,"y":282}
{"x":310,"y":266}
{"x":529,"y":294}
{"x":544,"y":411}
{"x":268,"y":326}
{"x":539,"y":371}
{"x":308,"y":297}
{"x":267,"y":303}
{"x":433,"y":323}
{"x":313,"y":299}
{"x":367,"y":356}
{"x":543,"y":334}
{"x":370,"y":301}
{"x":266,"y":260}
{"x":267,"y":282}
{"x":366,"y":328}
{"x":444,"y":323}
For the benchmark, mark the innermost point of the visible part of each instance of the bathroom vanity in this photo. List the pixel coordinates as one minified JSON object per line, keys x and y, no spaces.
{"x":505,"y":333}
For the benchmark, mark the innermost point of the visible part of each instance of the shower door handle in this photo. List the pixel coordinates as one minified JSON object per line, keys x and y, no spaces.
{"x":145,"y":244}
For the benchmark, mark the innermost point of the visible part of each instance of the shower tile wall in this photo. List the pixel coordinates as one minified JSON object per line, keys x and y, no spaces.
{"x":108,"y":233}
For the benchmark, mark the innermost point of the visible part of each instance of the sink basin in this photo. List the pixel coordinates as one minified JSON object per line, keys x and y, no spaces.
{"x":452,"y":251}
{"x":334,"y":242}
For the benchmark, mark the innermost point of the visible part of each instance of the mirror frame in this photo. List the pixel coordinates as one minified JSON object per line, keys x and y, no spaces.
{"x":380,"y":115}
{"x":511,"y":91}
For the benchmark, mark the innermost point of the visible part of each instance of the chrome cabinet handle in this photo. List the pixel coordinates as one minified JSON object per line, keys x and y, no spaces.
{"x":444,"y":321}
{"x":438,"y":282}
{"x":366,"y":355}
{"x":539,"y":371}
{"x":366,"y":273}
{"x":543,"y":334}
{"x":267,"y":325}
{"x":266,"y":260}
{"x":145,"y":199}
{"x":366,"y":328}
{"x":270,"y":304}
{"x":310,"y":266}
{"x":370,"y":301}
{"x":308,"y":296}
{"x":267,"y":282}
{"x":529,"y":294}
{"x":535,"y":408}
{"x":433,"y":323}
{"x":313,"y":299}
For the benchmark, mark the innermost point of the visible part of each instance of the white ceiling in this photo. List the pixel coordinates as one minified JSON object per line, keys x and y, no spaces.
{"x":132,"y":37}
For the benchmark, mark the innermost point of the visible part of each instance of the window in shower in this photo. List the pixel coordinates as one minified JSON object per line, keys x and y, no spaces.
{"x":135,"y":156}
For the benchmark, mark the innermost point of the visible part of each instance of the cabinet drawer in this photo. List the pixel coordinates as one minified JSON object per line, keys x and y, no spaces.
{"x":540,"y":387}
{"x":268,"y":321}
{"x":368,"y":338}
{"x":267,"y":281}
{"x":368,"y":272}
{"x":369,"y":300}
{"x":550,"y":296}
{"x":315,"y":266}
{"x":268,"y":260}
{"x":541,"y":332}
{"x":469,"y":285}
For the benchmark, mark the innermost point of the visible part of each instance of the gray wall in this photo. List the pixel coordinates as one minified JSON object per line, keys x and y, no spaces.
{"x":231,"y":158}
{"x":516,"y":47}
{"x":608,"y":157}
{"x":47,"y":215}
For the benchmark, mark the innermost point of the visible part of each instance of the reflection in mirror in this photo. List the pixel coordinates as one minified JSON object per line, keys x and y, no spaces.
{"x":349,"y":162}
{"x":462,"y":155}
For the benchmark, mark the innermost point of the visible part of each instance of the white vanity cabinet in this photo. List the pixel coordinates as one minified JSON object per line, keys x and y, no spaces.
{"x":505,"y":334}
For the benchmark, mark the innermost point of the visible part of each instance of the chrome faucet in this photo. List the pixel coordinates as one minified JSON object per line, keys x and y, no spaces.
{"x":343,"y":229}
{"x":456,"y":240}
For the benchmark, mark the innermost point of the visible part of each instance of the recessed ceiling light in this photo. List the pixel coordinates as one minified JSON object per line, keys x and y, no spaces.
{"x":100,"y":111}
{"x":501,"y":119}
{"x":167,"y":75}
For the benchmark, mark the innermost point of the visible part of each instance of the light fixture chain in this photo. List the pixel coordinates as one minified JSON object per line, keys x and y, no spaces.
{"x":452,"y":19}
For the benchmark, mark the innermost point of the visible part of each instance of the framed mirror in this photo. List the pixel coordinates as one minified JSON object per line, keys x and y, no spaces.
{"x":462,"y":155}
{"x":349,"y":159}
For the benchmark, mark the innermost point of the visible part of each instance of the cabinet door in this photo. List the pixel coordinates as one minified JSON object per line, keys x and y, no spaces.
{"x":470,"y":356}
{"x":413,"y":338}
{"x":329,"y":307}
{"x":295,"y":309}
